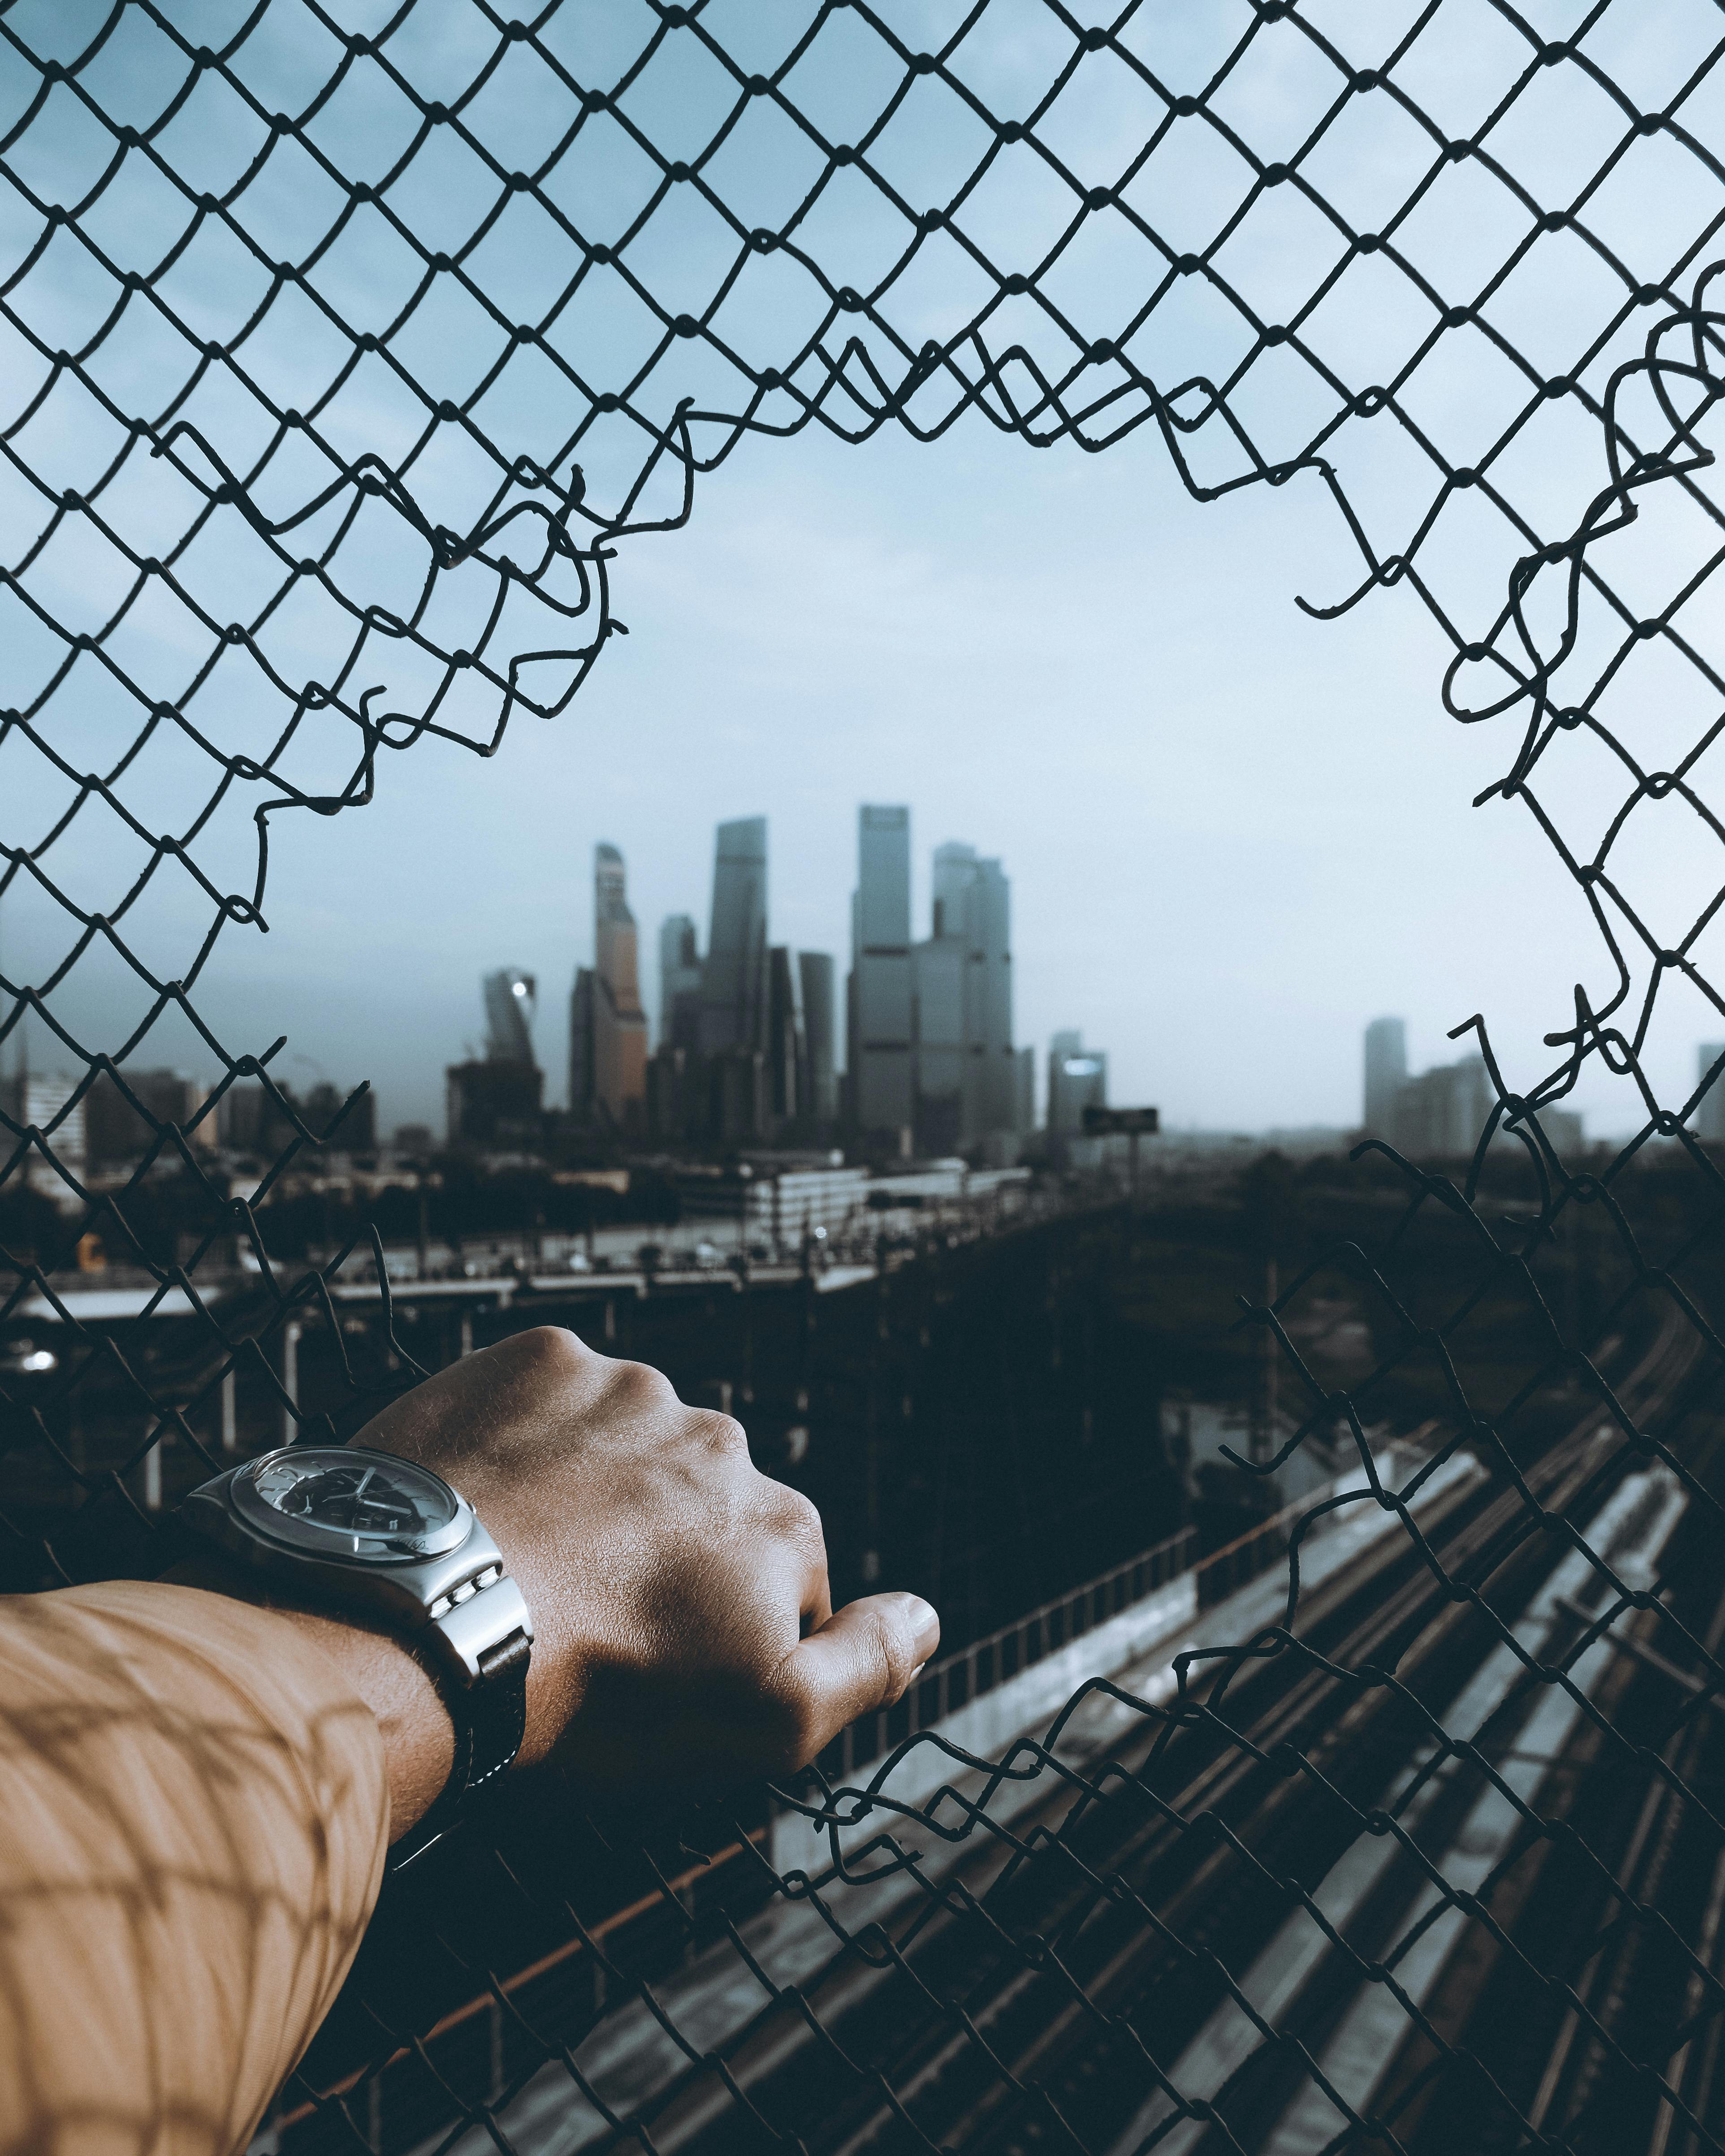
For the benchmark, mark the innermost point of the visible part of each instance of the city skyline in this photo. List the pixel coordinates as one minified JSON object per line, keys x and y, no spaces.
{"x":1198,"y":878}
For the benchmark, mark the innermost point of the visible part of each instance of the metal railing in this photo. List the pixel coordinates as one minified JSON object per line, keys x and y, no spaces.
{"x":953,"y":1681}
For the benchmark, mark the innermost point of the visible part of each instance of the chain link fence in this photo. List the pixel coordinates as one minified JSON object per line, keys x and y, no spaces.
{"x":349,"y":352}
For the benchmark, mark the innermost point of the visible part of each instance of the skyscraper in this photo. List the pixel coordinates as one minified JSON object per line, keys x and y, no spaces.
{"x":879,"y":1029}
{"x":511,"y":997}
{"x":967,"y":1084}
{"x":679,"y":982}
{"x":620,"y":1024}
{"x":815,"y":968}
{"x":733,"y":986}
{"x":496,"y":1102}
{"x":1024,"y":1063}
{"x":1077,"y":1079}
{"x":786,"y":1041}
{"x":943,"y":1081}
{"x":1386,"y":1072}
{"x":581,"y":1045}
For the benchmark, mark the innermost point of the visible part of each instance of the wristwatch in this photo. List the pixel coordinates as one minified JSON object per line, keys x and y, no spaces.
{"x":387,"y":1536}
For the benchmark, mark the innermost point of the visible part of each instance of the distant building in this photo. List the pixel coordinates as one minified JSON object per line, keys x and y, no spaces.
{"x":35,"y":1099}
{"x":117,"y":1131}
{"x":1077,"y":1079}
{"x":879,"y":1050}
{"x":815,"y":971}
{"x":1441,"y":1114}
{"x":726,"y":1072}
{"x":1708,"y":1121}
{"x":733,"y":984}
{"x":1386,"y":1072}
{"x":738,"y":1096}
{"x":242,"y":1116}
{"x":494,"y":1104}
{"x":786,"y":1039}
{"x":583,"y":1079}
{"x":510,"y":1001}
{"x":1024,"y":1069}
{"x":676,"y":1097}
{"x":965,"y":1077}
{"x":1565,"y":1132}
{"x":620,"y":1024}
{"x":358,"y":1130}
{"x":500,"y":1101}
{"x":679,"y":984}
{"x":941,"y":1058}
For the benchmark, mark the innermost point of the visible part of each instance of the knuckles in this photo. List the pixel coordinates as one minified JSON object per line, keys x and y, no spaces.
{"x":553,"y":1351}
{"x":722,"y":1432}
{"x":794,"y":1518}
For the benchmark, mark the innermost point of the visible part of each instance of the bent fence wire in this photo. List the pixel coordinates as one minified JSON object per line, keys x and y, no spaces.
{"x":351,"y":351}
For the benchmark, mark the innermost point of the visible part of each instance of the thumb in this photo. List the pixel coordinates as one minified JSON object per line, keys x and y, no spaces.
{"x":861,"y":1659}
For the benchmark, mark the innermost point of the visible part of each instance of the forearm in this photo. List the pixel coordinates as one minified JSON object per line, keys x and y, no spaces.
{"x":196,"y":1804}
{"x":413,"y":1722}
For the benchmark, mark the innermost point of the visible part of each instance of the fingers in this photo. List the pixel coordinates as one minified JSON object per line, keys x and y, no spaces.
{"x":862,"y":1658}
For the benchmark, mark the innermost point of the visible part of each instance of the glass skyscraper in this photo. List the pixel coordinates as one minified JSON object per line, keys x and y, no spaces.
{"x":882,"y":1103}
{"x":510,"y":999}
{"x":967,"y":1080}
{"x":620,"y":1024}
{"x":817,"y":970}
{"x":679,"y":982}
{"x":733,"y":987}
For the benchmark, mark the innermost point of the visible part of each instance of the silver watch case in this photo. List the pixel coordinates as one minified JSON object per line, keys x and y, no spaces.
{"x":454,"y":1592}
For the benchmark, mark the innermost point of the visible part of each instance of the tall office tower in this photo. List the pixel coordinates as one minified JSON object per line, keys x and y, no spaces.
{"x":815,"y":969}
{"x":581,"y":1045}
{"x":880,"y":1045}
{"x":1023,"y":1065}
{"x":620,"y":1024}
{"x":510,"y":1001}
{"x":1386,"y":1074}
{"x":787,"y":1038}
{"x":1077,"y":1079}
{"x":733,"y":982}
{"x":1709,"y":1118}
{"x":941,"y":1061}
{"x":679,"y":984}
{"x":497,"y":1102}
{"x":972,"y":908}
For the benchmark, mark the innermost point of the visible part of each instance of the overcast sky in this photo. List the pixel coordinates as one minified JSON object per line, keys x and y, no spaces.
{"x":1234,"y":834}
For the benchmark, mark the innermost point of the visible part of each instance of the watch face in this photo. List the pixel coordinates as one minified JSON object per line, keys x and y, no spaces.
{"x":343,"y":1502}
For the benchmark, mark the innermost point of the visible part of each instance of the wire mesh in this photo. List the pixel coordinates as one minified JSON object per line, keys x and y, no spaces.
{"x":348,"y":352}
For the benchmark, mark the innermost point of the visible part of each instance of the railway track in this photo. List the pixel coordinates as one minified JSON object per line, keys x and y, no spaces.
{"x":1079,"y":2014}
{"x":1234,"y":1937}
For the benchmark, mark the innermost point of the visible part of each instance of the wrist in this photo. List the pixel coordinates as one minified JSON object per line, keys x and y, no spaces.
{"x":413,"y":1721}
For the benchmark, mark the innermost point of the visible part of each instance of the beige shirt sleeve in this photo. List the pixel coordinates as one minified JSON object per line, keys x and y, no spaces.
{"x":193,"y":1814}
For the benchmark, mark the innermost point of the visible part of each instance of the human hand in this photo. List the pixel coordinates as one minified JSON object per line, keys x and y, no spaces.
{"x":685,"y":1635}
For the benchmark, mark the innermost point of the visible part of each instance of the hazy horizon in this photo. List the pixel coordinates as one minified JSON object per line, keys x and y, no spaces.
{"x":1235,"y":835}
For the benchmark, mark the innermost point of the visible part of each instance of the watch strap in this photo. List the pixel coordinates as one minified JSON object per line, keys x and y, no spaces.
{"x":490,"y":1718}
